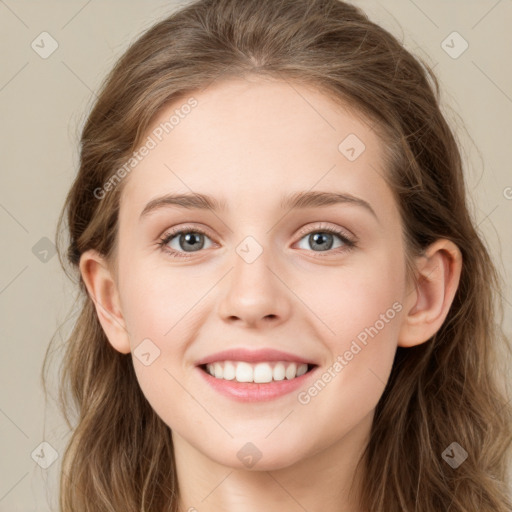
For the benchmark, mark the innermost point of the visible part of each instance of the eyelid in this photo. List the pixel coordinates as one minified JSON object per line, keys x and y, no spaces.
{"x":173,"y":232}
{"x":349,"y":239}
{"x":323,"y":226}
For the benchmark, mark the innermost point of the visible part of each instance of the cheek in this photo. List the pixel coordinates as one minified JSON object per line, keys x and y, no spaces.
{"x":360,"y":313}
{"x":157,"y":304}
{"x":349,"y":386}
{"x":350,"y":299}
{"x":158,"y":309}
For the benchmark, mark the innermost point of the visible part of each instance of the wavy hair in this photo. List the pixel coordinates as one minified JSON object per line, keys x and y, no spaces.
{"x":120,"y":455}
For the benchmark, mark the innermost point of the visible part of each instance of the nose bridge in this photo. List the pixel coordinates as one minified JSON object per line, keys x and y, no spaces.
{"x":251,"y":274}
{"x":253,"y":290}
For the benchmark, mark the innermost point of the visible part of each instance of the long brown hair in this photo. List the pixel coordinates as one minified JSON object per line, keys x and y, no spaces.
{"x":120,"y":455}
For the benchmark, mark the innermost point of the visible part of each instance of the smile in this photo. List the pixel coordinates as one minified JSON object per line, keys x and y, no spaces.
{"x":260,"y":373}
{"x":250,"y":388}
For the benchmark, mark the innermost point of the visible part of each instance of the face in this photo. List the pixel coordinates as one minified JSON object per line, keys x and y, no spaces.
{"x":321,"y":280}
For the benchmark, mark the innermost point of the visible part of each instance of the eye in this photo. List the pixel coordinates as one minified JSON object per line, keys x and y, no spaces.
{"x":187,"y":240}
{"x":322,"y":239}
{"x":190,"y":239}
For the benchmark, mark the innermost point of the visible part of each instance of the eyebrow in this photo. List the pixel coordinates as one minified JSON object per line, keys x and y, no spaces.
{"x":299,"y":200}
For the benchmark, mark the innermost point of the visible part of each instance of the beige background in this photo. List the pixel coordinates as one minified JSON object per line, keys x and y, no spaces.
{"x":43,"y":103}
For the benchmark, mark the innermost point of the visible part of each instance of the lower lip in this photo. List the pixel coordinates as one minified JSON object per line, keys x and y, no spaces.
{"x":253,"y":392}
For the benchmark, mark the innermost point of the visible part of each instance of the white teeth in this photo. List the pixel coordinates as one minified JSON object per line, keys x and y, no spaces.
{"x":259,"y":373}
{"x":291,"y":371}
{"x":302,"y":369}
{"x":218,"y":370}
{"x":229,"y":371}
{"x":262,"y":373}
{"x":279,"y":371}
{"x":244,"y":372}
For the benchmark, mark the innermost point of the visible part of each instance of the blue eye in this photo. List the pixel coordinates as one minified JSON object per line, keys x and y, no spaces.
{"x":321,"y":238}
{"x":186,"y":238}
{"x":324,"y":239}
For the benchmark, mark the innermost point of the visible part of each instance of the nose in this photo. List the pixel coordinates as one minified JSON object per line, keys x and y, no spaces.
{"x":254,"y":294}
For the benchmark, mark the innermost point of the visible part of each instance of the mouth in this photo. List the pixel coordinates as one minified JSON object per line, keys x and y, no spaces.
{"x":256,"y":373}
{"x":259,"y":375}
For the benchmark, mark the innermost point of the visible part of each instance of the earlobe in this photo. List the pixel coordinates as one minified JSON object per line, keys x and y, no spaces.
{"x":427,"y":306}
{"x":102,"y":290}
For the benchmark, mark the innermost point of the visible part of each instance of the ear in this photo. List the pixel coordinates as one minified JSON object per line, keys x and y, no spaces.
{"x":102,"y":289}
{"x":427,"y":306}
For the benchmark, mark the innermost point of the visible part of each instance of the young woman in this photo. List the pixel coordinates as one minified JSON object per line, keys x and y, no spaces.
{"x":286,"y":305}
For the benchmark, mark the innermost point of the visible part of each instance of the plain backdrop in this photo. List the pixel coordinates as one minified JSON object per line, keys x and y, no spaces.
{"x":44,"y":100}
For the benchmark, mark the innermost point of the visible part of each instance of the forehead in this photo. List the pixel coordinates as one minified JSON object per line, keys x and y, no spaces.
{"x":260,"y":136}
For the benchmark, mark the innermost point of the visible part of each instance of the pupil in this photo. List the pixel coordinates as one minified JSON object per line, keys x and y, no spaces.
{"x":318,"y":239}
{"x":191,"y":238}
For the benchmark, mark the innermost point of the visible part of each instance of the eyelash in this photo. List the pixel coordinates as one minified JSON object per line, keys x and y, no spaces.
{"x":349,"y":243}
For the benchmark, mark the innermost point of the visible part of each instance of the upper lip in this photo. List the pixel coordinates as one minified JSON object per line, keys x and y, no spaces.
{"x":253,"y":356}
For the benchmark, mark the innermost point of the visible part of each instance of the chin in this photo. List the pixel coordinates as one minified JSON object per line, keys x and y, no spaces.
{"x":257,"y":457}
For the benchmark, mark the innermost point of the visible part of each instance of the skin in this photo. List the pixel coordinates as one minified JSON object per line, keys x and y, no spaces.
{"x":249,"y":142}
